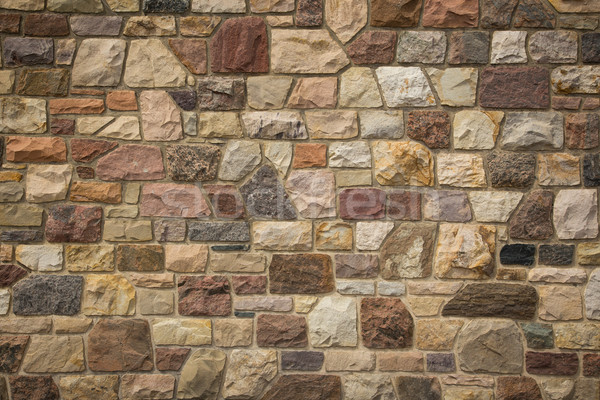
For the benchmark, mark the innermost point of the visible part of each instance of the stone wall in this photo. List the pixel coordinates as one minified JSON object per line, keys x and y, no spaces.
{"x":309,"y":199}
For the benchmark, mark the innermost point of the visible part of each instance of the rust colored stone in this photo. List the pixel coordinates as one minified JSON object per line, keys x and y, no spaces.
{"x":191,"y":52}
{"x":12,"y":349}
{"x":9,"y":23}
{"x":131,"y":162}
{"x":121,"y":100}
{"x":451,"y":13}
{"x":497,"y":13}
{"x":240,"y":45}
{"x":309,"y":13}
{"x":97,"y":192}
{"x":308,"y":155}
{"x":373,"y":47}
{"x":314,"y":387}
{"x":249,"y":284}
{"x":87,"y":150}
{"x":511,"y":169}
{"x":534,"y":14}
{"x":394,"y":13}
{"x":35,"y":149}
{"x":204,"y":295}
{"x":171,"y":358}
{"x":67,"y":223}
{"x":46,"y":25}
{"x":517,"y":387}
{"x":62,"y":126}
{"x":581,"y":131}
{"x":33,"y":388}
{"x":404,"y":205}
{"x":43,"y":82}
{"x":538,"y":363}
{"x":514,"y":87}
{"x":591,"y":364}
{"x":431,"y":127}
{"x":193,"y":163}
{"x":362,"y":203}
{"x":140,"y":258}
{"x":10,"y":273}
{"x":85,"y":172}
{"x":385,"y":323}
{"x":533,"y":220}
{"x":280,"y":330}
{"x":226,"y":201}
{"x":87,"y":92}
{"x":120,"y":345}
{"x":76,"y":106}
{"x":301,"y":273}
{"x":566,"y":103}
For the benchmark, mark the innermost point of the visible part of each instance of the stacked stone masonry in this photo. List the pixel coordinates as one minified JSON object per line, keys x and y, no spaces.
{"x":309,"y":199}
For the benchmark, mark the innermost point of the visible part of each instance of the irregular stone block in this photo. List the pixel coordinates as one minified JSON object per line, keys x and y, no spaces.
{"x":108,"y":295}
{"x":249,"y":372}
{"x":405,"y":87}
{"x":202,"y":375}
{"x":376,"y":313}
{"x":208,"y":295}
{"x":289,"y":387}
{"x":301,"y":273}
{"x":240,"y":45}
{"x":193,"y":163}
{"x":92,"y":53}
{"x":48,"y":295}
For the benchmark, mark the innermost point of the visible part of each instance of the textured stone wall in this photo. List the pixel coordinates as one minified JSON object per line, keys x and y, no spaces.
{"x":309,"y":199}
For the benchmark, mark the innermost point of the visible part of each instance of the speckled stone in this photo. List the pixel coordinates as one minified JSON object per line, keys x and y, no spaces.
{"x":265,"y":196}
{"x":533,"y":220}
{"x":511,"y":170}
{"x":193,"y":163}
{"x":385,"y":323}
{"x":49,"y":294}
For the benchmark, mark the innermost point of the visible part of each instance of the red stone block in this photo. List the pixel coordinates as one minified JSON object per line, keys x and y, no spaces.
{"x":363,"y":203}
{"x":591,"y":364}
{"x":514,"y":87}
{"x":404,"y":205}
{"x":308,"y":155}
{"x":373,"y":47}
{"x":518,"y":387}
{"x":9,"y":23}
{"x":280,"y":330}
{"x":121,"y":100}
{"x":67,"y":223}
{"x":171,"y":358}
{"x":191,"y":52}
{"x":46,"y":25}
{"x":204,"y":295}
{"x":87,"y":150}
{"x":61,"y":126}
{"x":240,"y":45}
{"x":249,"y":284}
{"x":226,"y":201}
{"x":581,"y":131}
{"x":385,"y":323}
{"x":76,"y":106}
{"x":431,"y":127}
{"x":551,"y":363}
{"x":451,"y":13}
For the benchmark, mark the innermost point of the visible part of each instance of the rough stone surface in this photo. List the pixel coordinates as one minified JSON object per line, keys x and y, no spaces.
{"x":314,"y":93}
{"x":204,"y":295}
{"x":558,"y":170}
{"x":22,"y":115}
{"x":402,"y":164}
{"x":465,"y":251}
{"x":456,"y":87}
{"x":494,"y":206}
{"x":373,"y":47}
{"x":108,"y":295}
{"x":36,"y":150}
{"x":33,"y":387}
{"x":202,"y":374}
{"x":281,"y":331}
{"x":161,"y":120}
{"x":446,"y":205}
{"x":313,"y":193}
{"x":193,"y":163}
{"x":591,"y":297}
{"x":249,"y":372}
{"x":74,"y":387}
{"x":413,"y":388}
{"x":431,"y":127}
{"x":510,"y":387}
{"x":240,"y":45}
{"x":275,"y":125}
{"x":48,"y":295}
{"x":395,"y":14}
{"x":165,"y":69}
{"x":533,"y":219}
{"x":469,"y":47}
{"x":405,"y":87}
{"x":301,"y":273}
{"x":581,"y":131}
{"x":27,"y":51}
{"x":514,"y":87}
{"x":408,"y":252}
{"x":461,"y":170}
{"x":131,"y":162}
{"x":555,"y":47}
{"x":265,"y":197}
{"x":385,"y":323}
{"x":333,"y":323}
{"x":533,"y":131}
{"x":511,"y":170}
{"x":575,"y":214}
{"x":109,"y":53}
{"x":288,"y":387}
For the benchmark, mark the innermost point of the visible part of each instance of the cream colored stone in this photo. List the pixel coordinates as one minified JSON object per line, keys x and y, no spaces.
{"x":558,"y":169}
{"x":125,"y":127}
{"x":155,"y":302}
{"x":151,"y":64}
{"x":21,"y":215}
{"x":385,"y":288}
{"x":237,"y":262}
{"x":340,"y":360}
{"x":403,"y":164}
{"x":124,"y":5}
{"x":7,"y":81}
{"x":89,"y":258}
{"x":161,"y":119}
{"x":576,"y":79}
{"x":575,"y":214}
{"x":304,"y":304}
{"x":370,"y":235}
{"x":508,"y":47}
{"x":48,"y":182}
{"x":333,"y":322}
{"x":43,"y":258}
{"x":465,"y":251}
{"x":281,"y":235}
{"x":381,"y":124}
{"x":150,"y":25}
{"x":267,"y":92}
{"x":476,"y":130}
{"x":11,"y":192}
{"x":280,"y":155}
{"x":190,"y":123}
{"x":274,"y":125}
{"x":577,"y":336}
{"x":219,"y":6}
{"x":99,"y":62}
{"x":577,"y":6}
{"x":557,"y":275}
{"x":560,"y":303}
{"x":249,"y":372}
{"x":455,"y":87}
{"x":121,"y":211}
{"x":305,"y":51}
{"x":460,"y":170}
{"x":332,"y":124}
{"x":436,"y":334}
{"x":182,"y":331}
{"x":239,"y":159}
{"x":27,"y":325}
{"x":425,"y":306}
{"x":263,"y":6}
{"x":353,"y":178}
{"x":90,"y":125}
{"x":468,"y":380}
{"x":233,"y":332}
{"x":312,"y":192}
{"x":22,"y":115}
{"x":346,"y":17}
{"x":75,"y":6}
{"x":77,"y":387}
{"x":132,"y":193}
{"x":72,"y":324}
{"x":202,"y":375}
{"x":494,"y":206}
{"x":52,"y":354}
{"x":280,"y":21}
{"x":368,"y":386}
{"x":186,"y":257}
{"x":405,"y":87}
{"x":272,"y":303}
{"x":332,"y":235}
{"x":164,"y":280}
{"x":4,"y":301}
{"x":147,"y":386}
{"x":23,"y":5}
{"x":314,"y":92}
{"x":358,"y":88}
{"x":126,"y":230}
{"x":468,"y":394}
{"x":219,"y":125}
{"x":108,"y":295}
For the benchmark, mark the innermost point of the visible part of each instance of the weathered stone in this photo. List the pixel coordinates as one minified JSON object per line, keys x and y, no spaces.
{"x":96,"y":192}
{"x":533,"y":131}
{"x":288,"y":387}
{"x":305,"y":52}
{"x":556,"y":254}
{"x":173,"y":200}
{"x":183,"y":332}
{"x":590,"y":365}
{"x":301,"y":273}
{"x":44,"y":82}
{"x":366,"y":203}
{"x":165,"y":69}
{"x":314,"y":93}
{"x":76,"y":106}
{"x":431,"y":127}
{"x":332,"y":124}
{"x":558,"y":170}
{"x":533,"y":219}
{"x":370,"y":235}
{"x":150,"y":26}
{"x":494,"y":206}
{"x":18,"y":326}
{"x":204,"y":295}
{"x":186,"y":258}
{"x":490,"y":346}
{"x":450,"y":14}
{"x":20,"y":215}
{"x":161,"y":119}
{"x":415,"y":388}
{"x":365,"y":288}
{"x":72,"y":324}
{"x":456,"y":87}
{"x":349,"y":361}
{"x":219,"y":231}
{"x":358,"y":88}
{"x":65,"y":51}
{"x":552,"y":363}
{"x":171,"y":358}
{"x":533,"y":14}
{"x":91,"y":125}
{"x":493,"y":300}
{"x":405,"y":86}
{"x":469,"y":47}
{"x":577,"y":336}
{"x":575,"y":214}
{"x":138,"y":387}
{"x":121,"y":100}
{"x":54,"y":354}
{"x":22,"y":235}
{"x":395,"y":14}
{"x":304,"y":304}
{"x":75,"y":6}
{"x":511,"y":170}
{"x":497,"y":14}
{"x":79,"y":386}
{"x":232,"y":333}
{"x":27,"y":51}
{"x":588,"y":254}
{"x":302,"y":360}
{"x":408,"y":252}
{"x":313,"y":193}
{"x":265,"y":197}
{"x":127,"y":230}
{"x":446,"y":205}
{"x":249,"y":284}
{"x":590,"y":50}
{"x":333,"y":322}
{"x":462,"y":170}
{"x":22,"y":115}
{"x":356,"y":266}
{"x":202,"y":375}
{"x":131,"y":162}
{"x":511,"y":387}
{"x":591,"y":170}
{"x":267,"y":92}
{"x":69,"y":223}
{"x":514,"y":87}
{"x":274,"y":125}
{"x":12,"y":349}
{"x":85,"y":25}
{"x":554,"y":46}
{"x":559,"y":303}
{"x":281,"y":331}
{"x":377,"y":313}
{"x":170,"y":230}
{"x":33,"y":388}
{"x":274,"y":304}
{"x":198,"y":25}
{"x":108,"y":295}
{"x":249,"y":372}
{"x":108,"y":53}
{"x":9,"y":274}
{"x":517,"y":254}
{"x":193,"y":163}
{"x":592,"y":298}
{"x":373,"y":47}
{"x":120,"y":345}
{"x":283,"y":235}
{"x":226,"y":201}
{"x":436,"y":335}
{"x":218,"y":6}
{"x":411,"y":361}
{"x":508,"y":47}
{"x":538,"y":336}
{"x":381,"y":124}
{"x":124,"y":127}
{"x":239,"y":159}
{"x":240,"y":45}
{"x":43,"y":258}
{"x":87,"y":150}
{"x":346,"y":18}
{"x":308,"y":155}
{"x":581,"y":131}
{"x":402,"y":163}
{"x":166,"y":6}
{"x":139,"y":258}
{"x":36,"y":149}
{"x":47,"y":295}
{"x":221,"y":94}
{"x":309,"y":13}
